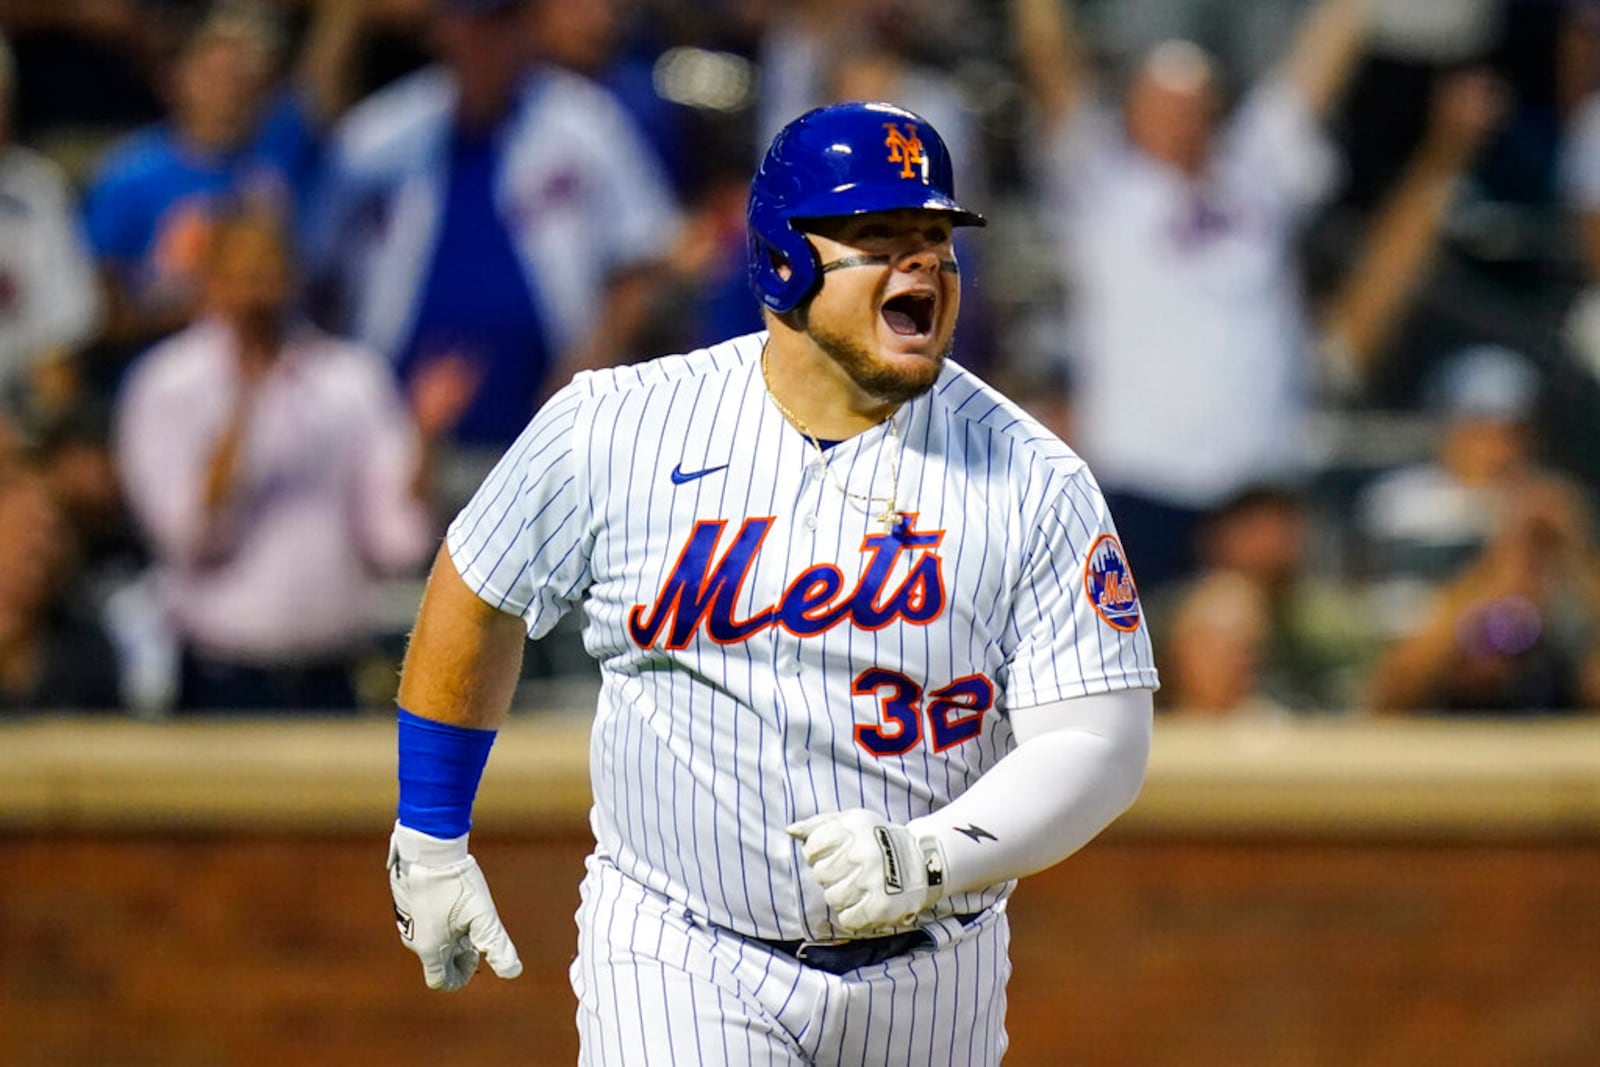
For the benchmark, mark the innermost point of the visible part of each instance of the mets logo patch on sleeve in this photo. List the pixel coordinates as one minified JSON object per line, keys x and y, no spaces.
{"x":1109,"y":582}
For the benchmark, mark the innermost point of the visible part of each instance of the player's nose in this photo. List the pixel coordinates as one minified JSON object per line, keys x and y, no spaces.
{"x":921,"y":254}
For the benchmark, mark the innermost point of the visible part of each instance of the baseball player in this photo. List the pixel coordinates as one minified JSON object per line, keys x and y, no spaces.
{"x":870,"y":651}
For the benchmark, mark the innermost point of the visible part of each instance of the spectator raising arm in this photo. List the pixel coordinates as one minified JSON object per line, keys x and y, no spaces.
{"x":1054,"y":67}
{"x":1326,"y":50}
{"x":1399,"y":247}
{"x":326,"y":72}
{"x":233,"y":133}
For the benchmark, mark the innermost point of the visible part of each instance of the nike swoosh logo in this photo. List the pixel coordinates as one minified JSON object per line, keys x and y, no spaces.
{"x":680,"y":476}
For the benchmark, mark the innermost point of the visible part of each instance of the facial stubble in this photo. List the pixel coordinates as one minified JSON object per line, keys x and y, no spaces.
{"x":874,"y":375}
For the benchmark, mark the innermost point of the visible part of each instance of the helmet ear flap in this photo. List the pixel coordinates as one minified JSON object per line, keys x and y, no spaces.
{"x":773,"y":242}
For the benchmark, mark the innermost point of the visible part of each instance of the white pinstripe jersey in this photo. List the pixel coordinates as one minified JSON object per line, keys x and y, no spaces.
{"x":767,"y":651}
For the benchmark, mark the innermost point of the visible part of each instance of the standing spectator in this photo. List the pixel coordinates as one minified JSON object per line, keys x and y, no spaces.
{"x":598,"y":40}
{"x":1257,"y":626}
{"x":232,"y":134}
{"x":48,"y":296}
{"x":1193,"y":355}
{"x":276,"y":473}
{"x":498,"y":218}
{"x":50,"y":659}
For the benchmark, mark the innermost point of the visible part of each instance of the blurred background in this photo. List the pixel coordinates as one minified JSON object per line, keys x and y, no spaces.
{"x":1313,"y":285}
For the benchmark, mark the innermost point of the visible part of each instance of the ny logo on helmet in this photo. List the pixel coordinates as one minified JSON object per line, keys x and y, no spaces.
{"x":906,"y":150}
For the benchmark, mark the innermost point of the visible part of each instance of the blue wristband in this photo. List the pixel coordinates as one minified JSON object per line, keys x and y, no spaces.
{"x":440,"y":766}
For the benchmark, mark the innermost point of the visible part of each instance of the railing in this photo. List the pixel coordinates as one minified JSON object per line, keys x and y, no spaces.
{"x":1371,"y":777}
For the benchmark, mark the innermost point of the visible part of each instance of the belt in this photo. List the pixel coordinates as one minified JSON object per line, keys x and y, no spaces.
{"x":838,"y":957}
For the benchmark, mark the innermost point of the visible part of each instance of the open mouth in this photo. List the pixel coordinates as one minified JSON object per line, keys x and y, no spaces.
{"x":909,"y":314}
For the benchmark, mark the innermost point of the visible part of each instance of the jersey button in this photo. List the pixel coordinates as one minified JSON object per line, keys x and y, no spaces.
{"x":811,"y":522}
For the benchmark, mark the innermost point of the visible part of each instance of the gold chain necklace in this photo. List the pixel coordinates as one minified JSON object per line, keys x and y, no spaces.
{"x":889,"y":515}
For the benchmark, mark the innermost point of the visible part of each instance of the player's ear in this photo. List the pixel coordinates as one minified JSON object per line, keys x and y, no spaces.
{"x":794,"y":318}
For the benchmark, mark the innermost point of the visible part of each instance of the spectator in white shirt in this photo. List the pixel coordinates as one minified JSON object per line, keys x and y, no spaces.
{"x":1193,"y":357}
{"x":278,"y":474}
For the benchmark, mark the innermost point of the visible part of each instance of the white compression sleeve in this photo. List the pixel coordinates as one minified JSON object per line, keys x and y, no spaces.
{"x":1078,"y":764}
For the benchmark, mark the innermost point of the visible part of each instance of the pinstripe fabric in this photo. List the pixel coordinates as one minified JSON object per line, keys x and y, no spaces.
{"x":710,"y":551}
{"x":657,"y":985}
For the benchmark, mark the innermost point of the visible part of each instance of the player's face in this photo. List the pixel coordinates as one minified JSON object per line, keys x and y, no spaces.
{"x":888,"y":319}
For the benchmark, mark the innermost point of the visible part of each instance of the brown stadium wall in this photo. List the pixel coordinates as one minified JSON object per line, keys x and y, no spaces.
{"x":1366,"y":893}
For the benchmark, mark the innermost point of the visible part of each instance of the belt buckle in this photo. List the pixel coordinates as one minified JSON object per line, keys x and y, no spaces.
{"x":807,"y":946}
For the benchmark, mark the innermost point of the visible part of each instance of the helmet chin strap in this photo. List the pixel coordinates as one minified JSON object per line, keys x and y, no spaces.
{"x":948,"y":266}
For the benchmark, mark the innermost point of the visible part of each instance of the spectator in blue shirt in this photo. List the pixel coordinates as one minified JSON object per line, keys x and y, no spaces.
{"x":495,"y":215}
{"x":233,"y":134}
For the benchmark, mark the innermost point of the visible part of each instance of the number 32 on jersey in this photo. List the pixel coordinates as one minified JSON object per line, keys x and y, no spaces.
{"x":954,"y":713}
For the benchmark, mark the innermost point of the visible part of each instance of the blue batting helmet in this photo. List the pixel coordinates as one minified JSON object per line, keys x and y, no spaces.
{"x":843,"y":159}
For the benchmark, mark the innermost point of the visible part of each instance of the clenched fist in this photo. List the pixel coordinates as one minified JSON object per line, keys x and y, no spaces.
{"x":876,"y":876}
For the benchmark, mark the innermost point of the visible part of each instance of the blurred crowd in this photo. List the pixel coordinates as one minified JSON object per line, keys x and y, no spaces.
{"x":1313,"y":285}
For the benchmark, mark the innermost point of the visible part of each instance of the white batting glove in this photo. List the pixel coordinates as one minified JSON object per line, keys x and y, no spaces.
{"x":876,"y":876}
{"x":444,"y":911}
